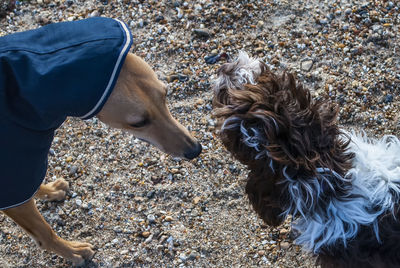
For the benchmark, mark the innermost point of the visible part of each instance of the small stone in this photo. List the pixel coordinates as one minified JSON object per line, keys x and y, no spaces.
{"x":354,"y":84}
{"x":173,"y":77}
{"x":205,"y":33}
{"x":187,"y":72}
{"x":306,"y":65}
{"x":388,"y":98}
{"x":151,"y":194}
{"x":174,"y":170}
{"x":196,"y":200}
{"x":260,"y":24}
{"x":78,"y":202}
{"x":283,"y":231}
{"x":151,"y":218}
{"x":124,"y":252}
{"x":145,"y":234}
{"x":141,"y":23}
{"x":183,"y":78}
{"x":118,"y":229}
{"x":160,"y":18}
{"x":148,"y":240}
{"x":183,"y":257}
{"x":168,"y":218}
{"x":180,"y":13}
{"x":72,"y":170}
{"x":284,"y":245}
{"x":330,"y":81}
{"x":198,"y":7}
{"x":323,"y":21}
{"x":193,"y":255}
{"x":94,"y":14}
{"x":199,"y":101}
{"x":69,"y":159}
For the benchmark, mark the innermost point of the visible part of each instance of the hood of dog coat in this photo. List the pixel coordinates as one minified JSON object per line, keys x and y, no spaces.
{"x":59,"y":70}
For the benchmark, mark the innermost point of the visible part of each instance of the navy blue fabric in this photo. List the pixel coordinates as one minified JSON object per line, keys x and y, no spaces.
{"x":59,"y":70}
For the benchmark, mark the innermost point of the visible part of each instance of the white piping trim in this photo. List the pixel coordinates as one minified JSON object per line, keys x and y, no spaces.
{"x":126,"y":46}
{"x":23,"y":202}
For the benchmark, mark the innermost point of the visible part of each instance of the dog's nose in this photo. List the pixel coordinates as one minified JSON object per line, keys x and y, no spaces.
{"x":193,"y":152}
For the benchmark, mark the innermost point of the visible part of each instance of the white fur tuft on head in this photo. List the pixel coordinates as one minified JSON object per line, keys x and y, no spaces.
{"x":244,"y":70}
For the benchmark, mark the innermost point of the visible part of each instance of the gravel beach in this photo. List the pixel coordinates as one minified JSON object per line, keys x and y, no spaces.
{"x":142,"y":208}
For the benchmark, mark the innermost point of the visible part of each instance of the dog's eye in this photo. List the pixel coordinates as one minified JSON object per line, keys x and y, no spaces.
{"x":140,"y":124}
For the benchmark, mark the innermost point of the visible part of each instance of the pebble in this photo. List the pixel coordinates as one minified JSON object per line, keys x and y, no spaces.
{"x":183,"y":257}
{"x":199,"y":102}
{"x":150,"y":194}
{"x":284,"y":245}
{"x":148,"y":240}
{"x":124,"y":252}
{"x":72,"y":170}
{"x":170,"y":240}
{"x":205,"y":33}
{"x":306,"y":65}
{"x":145,"y":234}
{"x":78,"y":202}
{"x":118,"y":229}
{"x":94,"y":14}
{"x":196,"y":200}
{"x":388,"y":98}
{"x":193,"y":256}
{"x":151,"y":218}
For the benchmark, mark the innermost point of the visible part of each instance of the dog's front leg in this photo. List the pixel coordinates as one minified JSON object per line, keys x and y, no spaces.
{"x":29,"y":218}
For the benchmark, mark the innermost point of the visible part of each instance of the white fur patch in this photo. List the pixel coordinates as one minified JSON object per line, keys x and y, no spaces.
{"x":376,"y":169}
{"x":375,"y":178}
{"x":245,"y":70}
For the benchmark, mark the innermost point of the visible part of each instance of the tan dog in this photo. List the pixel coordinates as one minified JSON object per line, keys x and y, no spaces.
{"x":137,"y":104}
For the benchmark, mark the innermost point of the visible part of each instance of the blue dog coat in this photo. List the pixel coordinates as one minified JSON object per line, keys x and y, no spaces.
{"x":59,"y":70}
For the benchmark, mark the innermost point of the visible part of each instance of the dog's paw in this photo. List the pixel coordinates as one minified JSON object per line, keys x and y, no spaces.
{"x":59,"y":184}
{"x":79,"y":252}
{"x":53,"y":191}
{"x":76,"y":252}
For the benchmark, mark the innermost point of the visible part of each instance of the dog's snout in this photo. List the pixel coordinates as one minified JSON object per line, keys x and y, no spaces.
{"x":194,"y":151}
